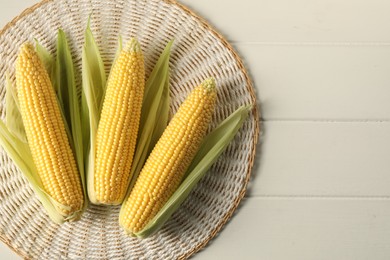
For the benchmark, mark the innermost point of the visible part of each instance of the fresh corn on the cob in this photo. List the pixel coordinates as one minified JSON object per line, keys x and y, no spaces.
{"x":170,"y":158}
{"x":118,"y":127}
{"x":46,"y":133}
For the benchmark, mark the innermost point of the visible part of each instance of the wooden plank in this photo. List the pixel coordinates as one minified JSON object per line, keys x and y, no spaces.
{"x":320,"y":82}
{"x":314,"y":81}
{"x":298,"y":20}
{"x":347,"y":159}
{"x":304,"y":229}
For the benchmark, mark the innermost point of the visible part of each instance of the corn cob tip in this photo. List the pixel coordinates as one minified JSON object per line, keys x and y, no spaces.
{"x":26,"y":48}
{"x":209,"y":84}
{"x":133,"y":45}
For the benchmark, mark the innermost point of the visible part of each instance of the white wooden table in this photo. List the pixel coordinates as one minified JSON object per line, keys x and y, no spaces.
{"x":321,"y":183}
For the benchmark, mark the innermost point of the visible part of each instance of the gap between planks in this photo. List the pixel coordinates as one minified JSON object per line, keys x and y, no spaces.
{"x":287,"y":120}
{"x":316,"y":197}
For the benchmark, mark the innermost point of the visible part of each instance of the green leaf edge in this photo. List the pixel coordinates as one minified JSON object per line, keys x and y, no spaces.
{"x":93,"y":90}
{"x":13,"y":118}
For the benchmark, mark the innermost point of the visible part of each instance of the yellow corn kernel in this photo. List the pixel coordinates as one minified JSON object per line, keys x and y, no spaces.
{"x":46,"y":133}
{"x":118,"y":127}
{"x":170,"y":158}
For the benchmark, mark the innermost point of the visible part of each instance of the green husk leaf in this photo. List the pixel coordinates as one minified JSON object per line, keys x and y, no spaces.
{"x":95,"y":64}
{"x":84,"y":119}
{"x":154,"y":114}
{"x":119,"y":48}
{"x":94,"y":83}
{"x":47,"y":60}
{"x":212,"y":147}
{"x":163,"y":114}
{"x":68,"y":99}
{"x":13,"y":117}
{"x":20,"y":154}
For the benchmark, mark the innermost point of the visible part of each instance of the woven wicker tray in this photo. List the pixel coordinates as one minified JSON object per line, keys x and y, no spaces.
{"x":199,"y":51}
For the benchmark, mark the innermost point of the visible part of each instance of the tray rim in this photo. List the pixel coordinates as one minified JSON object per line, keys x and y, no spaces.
{"x":255,"y":112}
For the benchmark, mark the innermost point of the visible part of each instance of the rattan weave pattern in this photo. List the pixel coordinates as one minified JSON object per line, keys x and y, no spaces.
{"x":198,"y":52}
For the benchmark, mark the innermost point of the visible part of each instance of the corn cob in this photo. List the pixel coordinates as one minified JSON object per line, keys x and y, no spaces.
{"x":170,"y":158}
{"x":46,"y":133}
{"x":118,"y":127}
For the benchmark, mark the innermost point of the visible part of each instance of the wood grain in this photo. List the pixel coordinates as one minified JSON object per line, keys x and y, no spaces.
{"x":280,"y":229}
{"x":323,"y":159}
{"x":330,"y":21}
{"x":320,"y":82}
